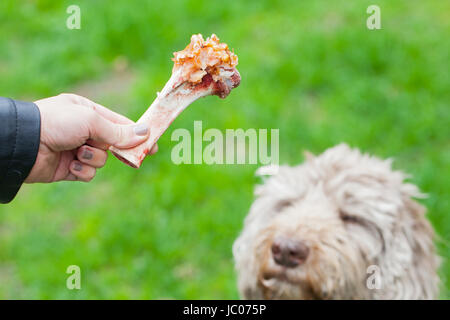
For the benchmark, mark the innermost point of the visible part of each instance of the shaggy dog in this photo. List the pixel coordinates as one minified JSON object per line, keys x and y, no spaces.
{"x":343,"y":225}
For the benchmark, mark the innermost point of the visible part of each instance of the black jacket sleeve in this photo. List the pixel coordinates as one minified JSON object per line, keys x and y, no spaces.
{"x":20,"y":128}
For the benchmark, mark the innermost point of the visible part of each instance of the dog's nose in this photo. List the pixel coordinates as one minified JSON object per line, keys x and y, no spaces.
{"x":289,"y":253}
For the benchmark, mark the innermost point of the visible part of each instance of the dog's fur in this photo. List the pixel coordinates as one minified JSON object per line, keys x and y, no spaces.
{"x":358,"y":218}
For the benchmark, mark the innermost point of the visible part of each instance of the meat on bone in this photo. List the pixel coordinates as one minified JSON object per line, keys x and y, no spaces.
{"x":203,"y":68}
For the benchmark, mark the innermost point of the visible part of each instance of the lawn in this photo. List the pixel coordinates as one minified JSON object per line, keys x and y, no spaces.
{"x":309,"y":68}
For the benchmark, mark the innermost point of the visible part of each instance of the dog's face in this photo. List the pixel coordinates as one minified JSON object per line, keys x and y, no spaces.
{"x":314,"y":230}
{"x":305,"y":241}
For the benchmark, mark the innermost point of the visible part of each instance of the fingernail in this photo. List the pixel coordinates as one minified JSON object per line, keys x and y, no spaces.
{"x":87,"y":154}
{"x":141,"y":129}
{"x":77,"y":166}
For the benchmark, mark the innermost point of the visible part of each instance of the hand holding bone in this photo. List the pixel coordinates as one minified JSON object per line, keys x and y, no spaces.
{"x":75,"y":135}
{"x":203,"y":68}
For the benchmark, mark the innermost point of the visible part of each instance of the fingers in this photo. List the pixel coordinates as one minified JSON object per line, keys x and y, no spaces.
{"x":107,"y":127}
{"x":121,"y":136}
{"x":71,"y":177}
{"x":103,"y":111}
{"x":98,"y":145}
{"x":88,"y":160}
{"x":92,"y":156}
{"x":80,"y":171}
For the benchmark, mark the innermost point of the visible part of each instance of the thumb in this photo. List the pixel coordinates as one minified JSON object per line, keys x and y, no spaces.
{"x":118,"y":135}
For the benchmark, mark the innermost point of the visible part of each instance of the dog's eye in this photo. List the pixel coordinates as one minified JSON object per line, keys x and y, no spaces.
{"x":282,"y":205}
{"x":366,"y":224}
{"x":347,"y":218}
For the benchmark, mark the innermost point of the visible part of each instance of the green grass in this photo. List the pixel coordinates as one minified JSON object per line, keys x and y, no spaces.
{"x":310,"y":68}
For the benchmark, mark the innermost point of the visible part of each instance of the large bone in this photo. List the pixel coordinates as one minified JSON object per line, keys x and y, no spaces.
{"x":202,"y":69}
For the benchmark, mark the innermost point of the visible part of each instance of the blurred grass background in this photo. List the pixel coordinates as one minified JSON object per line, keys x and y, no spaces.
{"x":310,"y":68}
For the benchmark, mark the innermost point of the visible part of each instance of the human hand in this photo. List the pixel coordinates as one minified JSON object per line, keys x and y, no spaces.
{"x":75,"y":134}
